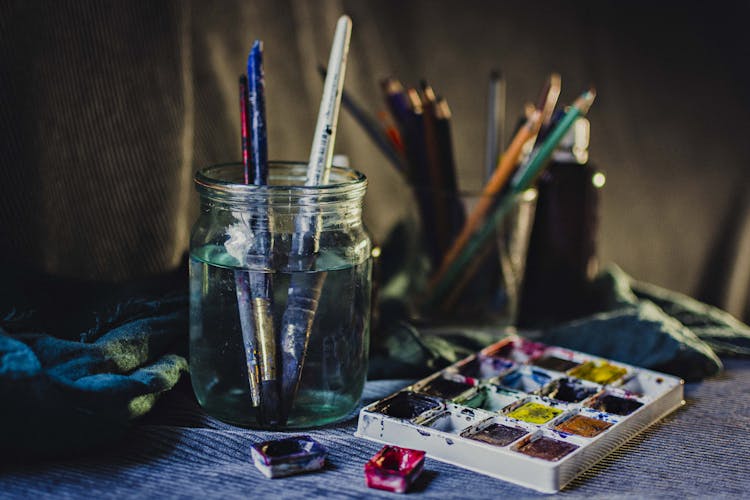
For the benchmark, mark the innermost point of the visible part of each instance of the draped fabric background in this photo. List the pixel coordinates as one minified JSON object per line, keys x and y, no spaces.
{"x":109,"y":107}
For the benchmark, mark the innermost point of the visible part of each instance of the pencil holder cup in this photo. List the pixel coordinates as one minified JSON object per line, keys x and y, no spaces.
{"x":280,"y":282}
{"x":484,"y":290}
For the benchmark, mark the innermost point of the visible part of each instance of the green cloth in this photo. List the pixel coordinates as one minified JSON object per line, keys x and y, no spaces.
{"x":61,"y":396}
{"x":632,"y":322}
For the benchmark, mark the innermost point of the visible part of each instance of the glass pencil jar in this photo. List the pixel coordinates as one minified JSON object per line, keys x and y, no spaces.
{"x":280,"y":283}
{"x":439,"y":284}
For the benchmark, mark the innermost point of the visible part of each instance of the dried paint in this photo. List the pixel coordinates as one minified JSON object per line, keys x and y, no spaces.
{"x":601,"y":373}
{"x":582,"y":425}
{"x":406,"y":405}
{"x":526,"y":380}
{"x":555,"y":364}
{"x":394,"y":468}
{"x":609,"y":403}
{"x":475,"y":399}
{"x":534,"y":413}
{"x":519,"y":350}
{"x":288,"y":456}
{"x":568,"y":390}
{"x":546,"y":448}
{"x":484,"y":367}
{"x":445,"y":388}
{"x":497,"y":434}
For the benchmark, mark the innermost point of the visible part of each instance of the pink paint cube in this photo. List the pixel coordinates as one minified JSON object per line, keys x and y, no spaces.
{"x":394,"y":469}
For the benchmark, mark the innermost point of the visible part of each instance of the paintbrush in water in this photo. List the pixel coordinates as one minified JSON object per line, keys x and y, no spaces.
{"x":305,"y":286}
{"x":261,"y":282}
{"x":241,"y":277}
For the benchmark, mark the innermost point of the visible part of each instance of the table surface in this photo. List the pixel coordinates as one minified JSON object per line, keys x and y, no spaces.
{"x":703,"y":449}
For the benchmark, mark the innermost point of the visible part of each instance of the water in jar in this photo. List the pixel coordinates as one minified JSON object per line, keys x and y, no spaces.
{"x":335,"y":365}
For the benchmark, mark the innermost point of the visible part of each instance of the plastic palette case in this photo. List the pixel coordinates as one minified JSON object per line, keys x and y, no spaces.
{"x":524,"y":412}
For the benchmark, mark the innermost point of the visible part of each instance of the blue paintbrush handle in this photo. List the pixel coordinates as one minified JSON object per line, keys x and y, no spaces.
{"x":257,"y":97}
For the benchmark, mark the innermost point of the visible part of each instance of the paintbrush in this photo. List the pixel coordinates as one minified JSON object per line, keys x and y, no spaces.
{"x":520,"y":182}
{"x":241,"y":277}
{"x":371,"y":127}
{"x":261,"y":283}
{"x":305,"y":286}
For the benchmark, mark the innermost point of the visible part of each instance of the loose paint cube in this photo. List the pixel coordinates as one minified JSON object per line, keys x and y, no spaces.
{"x":394,"y":469}
{"x":288,"y":456}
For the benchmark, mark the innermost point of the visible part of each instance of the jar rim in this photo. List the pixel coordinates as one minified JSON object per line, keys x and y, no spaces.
{"x":345,"y":179}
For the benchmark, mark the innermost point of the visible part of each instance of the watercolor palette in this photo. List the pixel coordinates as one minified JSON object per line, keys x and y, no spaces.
{"x":525,"y":412}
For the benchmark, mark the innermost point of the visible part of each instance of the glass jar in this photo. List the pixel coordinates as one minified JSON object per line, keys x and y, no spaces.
{"x":485,"y":296}
{"x":280,"y":281}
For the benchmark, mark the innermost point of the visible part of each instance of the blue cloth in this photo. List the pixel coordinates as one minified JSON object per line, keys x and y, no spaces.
{"x":178,"y":451}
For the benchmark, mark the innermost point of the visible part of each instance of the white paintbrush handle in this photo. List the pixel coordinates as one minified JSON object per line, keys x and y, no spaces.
{"x":321,"y":153}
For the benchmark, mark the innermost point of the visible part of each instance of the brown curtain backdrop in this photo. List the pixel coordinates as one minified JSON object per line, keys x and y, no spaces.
{"x":109,"y":108}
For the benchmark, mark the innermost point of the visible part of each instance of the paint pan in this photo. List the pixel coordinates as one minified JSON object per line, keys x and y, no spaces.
{"x":545,"y":448}
{"x":496,"y":434}
{"x":444,"y":387}
{"x":525,"y":379}
{"x":569,"y":390}
{"x":515,"y":349}
{"x":555,"y":364}
{"x":533,"y":412}
{"x":614,"y":404}
{"x":406,"y":405}
{"x":648,"y":384}
{"x":530,"y":431}
{"x":601,"y":372}
{"x":394,"y":469}
{"x":455,"y":420}
{"x":288,"y":456}
{"x":484,"y":367}
{"x":582,"y":425}
{"x":496,"y":398}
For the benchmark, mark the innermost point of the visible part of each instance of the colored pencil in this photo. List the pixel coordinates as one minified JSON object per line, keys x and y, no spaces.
{"x":520,"y":182}
{"x":392,"y":132}
{"x":397,"y":100}
{"x":449,"y":194}
{"x":445,"y":143}
{"x":500,"y":177}
{"x":440,"y":197}
{"x":495,"y":122}
{"x":305,"y":287}
{"x":548,"y":97}
{"x":495,"y":185}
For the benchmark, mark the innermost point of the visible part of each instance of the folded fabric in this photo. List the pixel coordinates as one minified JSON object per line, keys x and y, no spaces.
{"x":633,"y":322}
{"x":72,"y":388}
{"x":63,"y":396}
